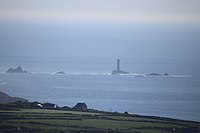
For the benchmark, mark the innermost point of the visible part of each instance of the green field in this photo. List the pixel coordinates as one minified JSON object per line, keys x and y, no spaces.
{"x":60,"y":121}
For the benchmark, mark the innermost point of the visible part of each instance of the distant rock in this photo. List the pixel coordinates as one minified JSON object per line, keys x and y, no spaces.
{"x":119,"y":72}
{"x":166,"y":74}
{"x":4,"y":98}
{"x":25,"y":71}
{"x":153,"y":74}
{"x":16,"y":70}
{"x":60,"y":73}
{"x":138,"y":75}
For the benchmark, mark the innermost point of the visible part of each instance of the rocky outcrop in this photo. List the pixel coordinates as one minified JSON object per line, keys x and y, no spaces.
{"x":119,"y":72}
{"x":166,"y":74}
{"x":16,"y":70}
{"x":157,"y":74}
{"x":153,"y":74}
{"x":60,"y":73}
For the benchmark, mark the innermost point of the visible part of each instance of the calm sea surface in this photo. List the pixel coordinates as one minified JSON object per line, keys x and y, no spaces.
{"x":175,"y":96}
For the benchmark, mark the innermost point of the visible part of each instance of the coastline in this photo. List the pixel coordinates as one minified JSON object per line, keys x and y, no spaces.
{"x":24,"y":116}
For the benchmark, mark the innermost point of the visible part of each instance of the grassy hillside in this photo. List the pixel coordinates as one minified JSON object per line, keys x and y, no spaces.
{"x":46,"y":120}
{"x":4,"y":98}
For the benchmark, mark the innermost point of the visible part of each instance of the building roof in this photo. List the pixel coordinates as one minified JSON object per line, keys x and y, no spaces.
{"x":81,"y":106}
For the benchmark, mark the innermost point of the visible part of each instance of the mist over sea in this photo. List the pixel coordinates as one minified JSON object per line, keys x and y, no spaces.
{"x":89,"y":80}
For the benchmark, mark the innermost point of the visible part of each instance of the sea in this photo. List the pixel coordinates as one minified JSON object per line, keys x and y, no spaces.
{"x":89,"y":80}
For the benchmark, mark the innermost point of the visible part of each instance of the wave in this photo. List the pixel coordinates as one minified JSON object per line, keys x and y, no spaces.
{"x":108,"y":74}
{"x":160,"y":75}
{"x":88,"y":73}
{"x":180,"y":76}
{"x":72,"y":73}
{"x":171,"y":76}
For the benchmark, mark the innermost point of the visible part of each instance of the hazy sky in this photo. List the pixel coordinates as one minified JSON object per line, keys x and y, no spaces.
{"x":102,"y":10}
{"x":109,"y":28}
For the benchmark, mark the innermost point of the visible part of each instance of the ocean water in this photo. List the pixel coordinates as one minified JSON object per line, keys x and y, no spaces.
{"x":89,"y":80}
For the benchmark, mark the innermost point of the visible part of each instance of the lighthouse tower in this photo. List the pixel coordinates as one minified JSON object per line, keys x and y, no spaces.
{"x":118,"y":71}
{"x":118,"y":63}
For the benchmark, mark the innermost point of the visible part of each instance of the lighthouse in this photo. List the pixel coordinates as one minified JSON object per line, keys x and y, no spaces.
{"x":118,"y":63}
{"x":118,"y":71}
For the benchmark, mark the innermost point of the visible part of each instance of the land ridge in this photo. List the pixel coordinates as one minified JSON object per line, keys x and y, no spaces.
{"x":24,"y":116}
